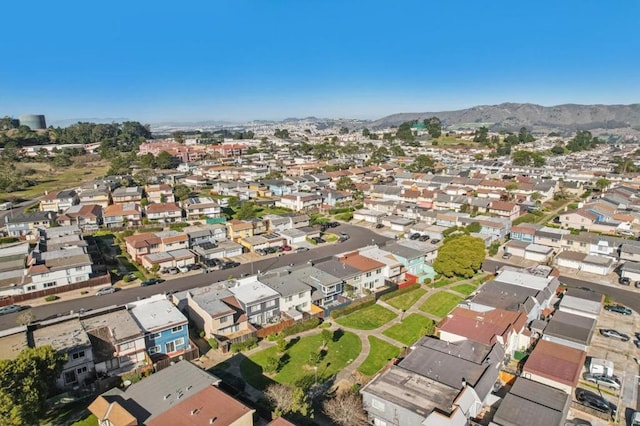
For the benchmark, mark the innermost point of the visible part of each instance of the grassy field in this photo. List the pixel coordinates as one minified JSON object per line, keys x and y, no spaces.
{"x":294,"y":368}
{"x":465,"y":289}
{"x":50,"y":178}
{"x":405,"y":301}
{"x":440,"y":304}
{"x":368,"y":318}
{"x":379,"y":355}
{"x":410,"y":329}
{"x":89,"y":421}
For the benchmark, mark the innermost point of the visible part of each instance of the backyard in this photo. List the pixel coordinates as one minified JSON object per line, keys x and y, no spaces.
{"x":368,"y":318}
{"x":295,"y":365}
{"x":410,"y":329}
{"x":379,"y":355}
{"x":405,"y":301}
{"x":440,"y":304}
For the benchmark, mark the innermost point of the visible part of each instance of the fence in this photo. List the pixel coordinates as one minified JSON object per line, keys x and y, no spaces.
{"x":275,"y":328}
{"x":91,"y":282}
{"x":188,"y":355}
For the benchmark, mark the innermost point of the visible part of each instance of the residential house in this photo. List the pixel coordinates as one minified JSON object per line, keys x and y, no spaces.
{"x":169,"y":259}
{"x":24,"y":225}
{"x":372,"y":275}
{"x":599,"y":265}
{"x":295,"y":294}
{"x":205,"y":234}
{"x":436,"y":383}
{"x":505,"y":209}
{"x":199,"y":207}
{"x":393,"y":267}
{"x":581,"y":302}
{"x":128,"y":194}
{"x":278,"y":187}
{"x":260,"y":302}
{"x":369,"y":216}
{"x":300,"y":201}
{"x":411,"y":258}
{"x":574,"y":331}
{"x":165,"y":327}
{"x":160,"y":193}
{"x":550,"y":237}
{"x":630,"y":270}
{"x":87,"y":216}
{"x":100,"y":197}
{"x":525,"y":232}
{"x":164,"y":212}
{"x":58,"y":201}
{"x":66,"y":336}
{"x":329,"y":278}
{"x":239,"y":229}
{"x":117,"y":340}
{"x":179,"y":394}
{"x":194,"y":181}
{"x":215,"y":310}
{"x":578,"y":219}
{"x":122,"y":215}
{"x":534,"y":404}
{"x":57,"y":268}
{"x":555,"y":365}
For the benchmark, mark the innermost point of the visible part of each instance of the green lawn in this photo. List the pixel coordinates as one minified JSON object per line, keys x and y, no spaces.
{"x":381,"y":352}
{"x":440,"y":304}
{"x":89,"y":421}
{"x":405,"y":301}
{"x":465,"y":289}
{"x":443,"y":281}
{"x":368,"y":318}
{"x":295,"y":369}
{"x":410,"y":329}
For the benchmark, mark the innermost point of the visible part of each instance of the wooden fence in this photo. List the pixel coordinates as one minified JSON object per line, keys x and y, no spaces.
{"x":91,"y":282}
{"x":188,"y":355}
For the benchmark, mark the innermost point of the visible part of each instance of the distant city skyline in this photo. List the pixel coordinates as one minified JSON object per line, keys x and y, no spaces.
{"x":250,"y":60}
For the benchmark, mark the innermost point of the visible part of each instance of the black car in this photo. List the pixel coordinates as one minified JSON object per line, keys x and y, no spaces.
{"x":423,"y":238}
{"x":379,"y":226}
{"x":596,"y":402}
{"x":615,"y":334}
{"x":194,"y":267}
{"x":151,"y":281}
{"x":624,"y":281}
{"x":229,"y":265}
{"x":435,"y":241}
{"x":619,"y":309}
{"x":333,"y":224}
{"x":301,"y":249}
{"x":318,"y":240}
{"x":414,"y":236}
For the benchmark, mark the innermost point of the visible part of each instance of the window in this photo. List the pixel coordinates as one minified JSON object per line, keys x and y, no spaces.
{"x":126,"y":346}
{"x":177,"y":329}
{"x":170,"y":347}
{"x":70,"y":377}
{"x":77,"y":355}
{"x":378,"y":422}
{"x":81,"y":370}
{"x":271,"y":303}
{"x":79,"y":268}
{"x":378,"y":405}
{"x":154,"y":336}
{"x":254,"y":308}
{"x":300,"y":295}
{"x":179,"y":342}
{"x":154,"y":349}
{"x":31,"y":287}
{"x":48,"y":285}
{"x":368,"y":274}
{"x":378,"y":271}
{"x":223,"y":319}
{"x":288,"y":298}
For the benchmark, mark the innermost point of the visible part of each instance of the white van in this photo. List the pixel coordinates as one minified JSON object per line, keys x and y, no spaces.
{"x":6,"y":206}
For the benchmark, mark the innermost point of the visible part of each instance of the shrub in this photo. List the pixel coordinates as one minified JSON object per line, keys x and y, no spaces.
{"x":340,"y":210}
{"x":427,"y":281}
{"x":7,"y":240}
{"x":355,"y":306}
{"x":212,"y":342}
{"x":84,"y":292}
{"x":126,"y":278}
{"x":201,"y":334}
{"x":272,"y":364}
{"x":493,"y":248}
{"x":345,"y":217}
{"x":51,"y":298}
{"x":309,"y":324}
{"x":400,"y":292}
{"x":250,"y":343}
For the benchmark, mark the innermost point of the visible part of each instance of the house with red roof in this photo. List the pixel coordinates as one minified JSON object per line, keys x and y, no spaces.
{"x":555,"y":365}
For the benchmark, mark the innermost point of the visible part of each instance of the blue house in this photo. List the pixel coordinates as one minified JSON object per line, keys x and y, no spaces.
{"x":524,"y":232}
{"x":278,"y":187}
{"x":166,"y":331}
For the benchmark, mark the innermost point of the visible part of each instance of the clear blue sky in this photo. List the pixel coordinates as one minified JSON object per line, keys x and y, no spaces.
{"x":271,"y":59}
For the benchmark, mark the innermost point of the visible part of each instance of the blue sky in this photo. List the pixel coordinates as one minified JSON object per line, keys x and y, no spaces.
{"x":272,"y":59}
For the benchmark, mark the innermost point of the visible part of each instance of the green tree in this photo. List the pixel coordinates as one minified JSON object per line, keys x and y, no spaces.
{"x":271,"y":365}
{"x":366,"y":133}
{"x":182,"y":192}
{"x":120,"y":165}
{"x":481,"y":135}
{"x":147,"y":161}
{"x":281,"y":343}
{"x":166,"y":161}
{"x":345,"y":183}
{"x":287,"y":400}
{"x":25,"y":384}
{"x":460,"y":255}
{"x":525,"y":136}
{"x":404,"y":132}
{"x":327,"y":336}
{"x":379,"y":155}
{"x":421,"y":164}
{"x":557,"y":150}
{"x":473,"y":227}
{"x":434,"y":126}
{"x":10,"y":152}
{"x":397,"y":151}
{"x":603,"y":183}
{"x":247,"y":211}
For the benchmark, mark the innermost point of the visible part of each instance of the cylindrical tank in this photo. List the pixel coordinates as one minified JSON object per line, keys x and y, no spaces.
{"x":34,"y":121}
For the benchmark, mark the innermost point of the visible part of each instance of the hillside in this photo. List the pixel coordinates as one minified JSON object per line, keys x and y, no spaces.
{"x":512,"y":116}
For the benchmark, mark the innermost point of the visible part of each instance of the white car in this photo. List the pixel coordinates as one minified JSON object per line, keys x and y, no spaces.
{"x":183,"y":269}
{"x":106,"y":290}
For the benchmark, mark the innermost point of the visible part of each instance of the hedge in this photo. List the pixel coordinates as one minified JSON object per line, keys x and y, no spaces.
{"x":354,"y":306}
{"x":309,"y":324}
{"x":341,"y":210}
{"x":250,"y":343}
{"x":400,"y":292}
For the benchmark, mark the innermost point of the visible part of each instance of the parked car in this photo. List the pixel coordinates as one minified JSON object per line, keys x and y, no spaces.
{"x":637,"y":284}
{"x":286,"y":248}
{"x":619,"y":309}
{"x":173,"y":270}
{"x":194,"y":266}
{"x":229,"y":265}
{"x":379,"y":226}
{"x":261,"y":252}
{"x":106,"y":290}
{"x":624,"y":281}
{"x":343,"y":238}
{"x":435,"y":241}
{"x":615,"y":334}
{"x":602,"y":380}
{"x":424,"y":238}
{"x":506,"y":255}
{"x":151,"y":281}
{"x":302,"y":249}
{"x":10,"y":309}
{"x":576,"y":421}
{"x":183,"y":269}
{"x":333,"y":224}
{"x":414,"y":236}
{"x":318,"y":240}
{"x":596,"y":402}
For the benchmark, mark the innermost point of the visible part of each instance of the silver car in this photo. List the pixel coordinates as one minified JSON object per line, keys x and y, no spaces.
{"x":106,"y":290}
{"x":10,"y":309}
{"x":602,"y":380}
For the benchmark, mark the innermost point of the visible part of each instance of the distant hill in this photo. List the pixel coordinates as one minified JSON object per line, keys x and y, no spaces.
{"x":512,"y":116}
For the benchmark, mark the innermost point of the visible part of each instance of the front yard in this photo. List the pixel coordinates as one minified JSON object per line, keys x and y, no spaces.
{"x":440,"y":304}
{"x":368,"y":318}
{"x":410,"y":329}
{"x":295,"y":368}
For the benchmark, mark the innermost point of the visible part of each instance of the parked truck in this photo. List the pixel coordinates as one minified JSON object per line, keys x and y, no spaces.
{"x":601,"y":366}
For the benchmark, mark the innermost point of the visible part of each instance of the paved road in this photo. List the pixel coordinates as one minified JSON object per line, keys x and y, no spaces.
{"x":359,"y":237}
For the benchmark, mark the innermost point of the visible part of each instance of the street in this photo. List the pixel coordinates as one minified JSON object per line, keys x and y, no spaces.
{"x":359,"y":237}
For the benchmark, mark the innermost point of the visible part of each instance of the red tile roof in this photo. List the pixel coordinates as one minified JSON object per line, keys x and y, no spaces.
{"x":556,"y":362}
{"x":483,"y":327}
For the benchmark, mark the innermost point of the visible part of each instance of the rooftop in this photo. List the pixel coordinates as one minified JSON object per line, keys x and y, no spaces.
{"x":62,"y":336}
{"x":556,"y":362}
{"x":156,"y":313}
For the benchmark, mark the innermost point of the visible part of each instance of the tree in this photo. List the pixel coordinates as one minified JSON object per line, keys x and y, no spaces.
{"x":271,"y":365}
{"x":473,"y":227}
{"x":525,"y":136}
{"x":182,"y":192}
{"x":421,"y":164}
{"x":397,"y":151}
{"x":481,"y":135}
{"x":25,"y":318}
{"x":434,"y":126}
{"x":247,"y":211}
{"x":25,"y":384}
{"x":166,"y":161}
{"x":327,"y":336}
{"x":366,"y":132}
{"x":379,"y":155}
{"x":120,"y":165}
{"x":281,"y":343}
{"x":404,"y":132}
{"x":603,"y":183}
{"x":178,"y":136}
{"x":315,"y":358}
{"x":345,"y":409}
{"x":557,"y":150}
{"x":286,"y":399}
{"x":460,"y":255}
{"x":345,"y":183}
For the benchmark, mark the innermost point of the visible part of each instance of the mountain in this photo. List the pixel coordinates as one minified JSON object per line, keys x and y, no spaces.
{"x":512,"y":116}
